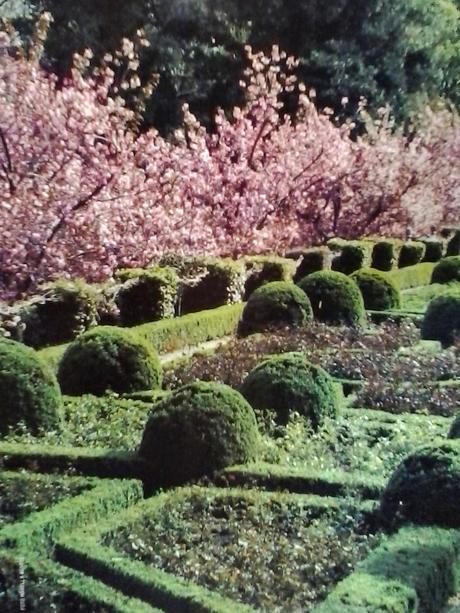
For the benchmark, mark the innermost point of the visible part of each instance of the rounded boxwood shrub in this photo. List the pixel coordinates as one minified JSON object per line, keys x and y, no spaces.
{"x":29,"y":392}
{"x":108,"y":358}
{"x":378,"y":290}
{"x":425,"y":488}
{"x":287,"y":383}
{"x":334,"y":298}
{"x":276,"y":303}
{"x":441,"y":321}
{"x":198,"y":429}
{"x":447,"y":270}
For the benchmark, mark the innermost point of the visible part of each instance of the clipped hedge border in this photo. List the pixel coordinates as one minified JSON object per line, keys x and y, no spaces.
{"x":272,"y":478}
{"x":81,"y":550}
{"x":173,"y":334}
{"x":103,"y":463}
{"x":28,"y":545}
{"x":412,"y":276}
{"x":416,"y":569}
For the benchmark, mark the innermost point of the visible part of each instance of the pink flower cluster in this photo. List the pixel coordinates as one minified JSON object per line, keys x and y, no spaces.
{"x":81,"y":193}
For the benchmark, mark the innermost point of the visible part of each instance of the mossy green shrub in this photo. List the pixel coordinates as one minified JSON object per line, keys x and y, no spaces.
{"x":198,"y":429}
{"x":454,"y":431}
{"x":378,"y":290}
{"x":289,"y":382}
{"x":411,"y":253}
{"x":108,"y":358}
{"x":218,"y":282}
{"x":29,"y":392}
{"x":146,"y":295}
{"x":434,"y":249}
{"x":334,"y":298}
{"x":425,"y":488}
{"x":312,"y":260}
{"x":266,"y":269}
{"x":351,"y":256}
{"x":448,"y":269}
{"x":452,"y":236}
{"x":60,"y":312}
{"x":275,"y":304}
{"x":385,"y":254}
{"x":442,"y":318}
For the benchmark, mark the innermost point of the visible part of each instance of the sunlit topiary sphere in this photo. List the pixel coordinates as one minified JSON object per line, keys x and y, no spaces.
{"x":108,"y":358}
{"x":29,"y":392}
{"x":378,"y":290}
{"x":334,"y":298}
{"x":288,"y":383}
{"x":274,"y":304}
{"x":198,"y":429}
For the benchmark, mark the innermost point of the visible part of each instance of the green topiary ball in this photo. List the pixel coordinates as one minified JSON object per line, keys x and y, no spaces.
{"x":277,"y":303}
{"x":29,"y":392}
{"x":378,"y":290}
{"x":425,"y":488}
{"x":442,"y":318}
{"x":108,"y":358}
{"x":334,"y":297}
{"x":198,"y":429}
{"x":447,"y":270}
{"x":287,"y":383}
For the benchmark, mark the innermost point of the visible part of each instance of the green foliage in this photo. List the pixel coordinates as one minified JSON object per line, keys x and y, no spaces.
{"x":442,"y":318}
{"x":352,"y":255}
{"x":453,"y":241}
{"x":454,"y":431}
{"x":287,"y":383}
{"x":312,"y":260}
{"x":425,"y":488}
{"x":29,"y":393}
{"x":197,"y":48}
{"x":411,"y":253}
{"x":412,"y":276}
{"x":108,"y":358}
{"x":378,"y":290}
{"x":262,"y":534}
{"x":385,"y":254}
{"x":275,"y":304}
{"x":413,"y":570}
{"x":334,"y":298}
{"x":219,"y":282}
{"x":60,"y":312}
{"x":434,"y":249}
{"x":146,"y":295}
{"x":266,"y":269}
{"x":448,"y":269}
{"x":198,"y":429}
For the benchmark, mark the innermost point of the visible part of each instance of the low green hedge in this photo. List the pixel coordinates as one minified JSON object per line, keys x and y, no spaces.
{"x":83,"y":551}
{"x":412,"y":276}
{"x":173,"y":334}
{"x":27,"y":547}
{"x":350,"y":255}
{"x":301,"y":481}
{"x":416,"y":569}
{"x":104,"y":463}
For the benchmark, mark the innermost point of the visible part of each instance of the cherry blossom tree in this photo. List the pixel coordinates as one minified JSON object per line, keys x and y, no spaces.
{"x":82,"y":192}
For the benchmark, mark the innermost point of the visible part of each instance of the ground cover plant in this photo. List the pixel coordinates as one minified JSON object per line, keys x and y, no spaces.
{"x":23,"y":493}
{"x":238,"y":545}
